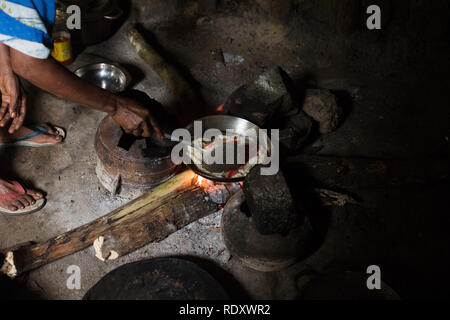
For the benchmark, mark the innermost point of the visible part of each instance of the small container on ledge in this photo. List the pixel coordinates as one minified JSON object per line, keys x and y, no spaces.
{"x":62,"y":44}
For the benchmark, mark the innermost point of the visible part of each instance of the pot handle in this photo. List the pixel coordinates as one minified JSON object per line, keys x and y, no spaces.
{"x":115,"y":14}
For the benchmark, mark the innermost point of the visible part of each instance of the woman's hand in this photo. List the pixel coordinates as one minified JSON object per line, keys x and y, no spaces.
{"x":135,"y":119}
{"x":13,"y":100}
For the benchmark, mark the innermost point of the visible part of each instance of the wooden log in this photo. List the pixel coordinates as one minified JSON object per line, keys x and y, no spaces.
{"x":151,"y":217}
{"x":181,"y":200}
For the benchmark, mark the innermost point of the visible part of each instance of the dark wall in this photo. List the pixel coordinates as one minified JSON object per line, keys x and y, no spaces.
{"x":325,"y":33}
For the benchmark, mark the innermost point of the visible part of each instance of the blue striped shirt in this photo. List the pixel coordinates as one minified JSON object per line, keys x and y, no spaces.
{"x":26,"y":25}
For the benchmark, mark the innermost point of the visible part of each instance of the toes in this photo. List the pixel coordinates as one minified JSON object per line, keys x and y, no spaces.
{"x":35,"y":194}
{"x":56,"y":136}
{"x":55,"y":132}
{"x":9,"y":205}
{"x":49,"y":129}
{"x":18,"y":204}
{"x":29,"y":199}
{"x":26,"y":200}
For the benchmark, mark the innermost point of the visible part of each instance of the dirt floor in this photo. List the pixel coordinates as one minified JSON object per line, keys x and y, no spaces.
{"x":398,"y":109}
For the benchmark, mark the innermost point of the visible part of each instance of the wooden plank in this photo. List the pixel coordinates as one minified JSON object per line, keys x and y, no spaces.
{"x":151,"y":217}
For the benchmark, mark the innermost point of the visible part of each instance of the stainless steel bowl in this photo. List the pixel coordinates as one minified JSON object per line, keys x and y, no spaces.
{"x":104,"y":75}
{"x":222,"y":123}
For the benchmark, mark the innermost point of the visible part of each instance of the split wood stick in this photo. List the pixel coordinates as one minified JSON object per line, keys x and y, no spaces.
{"x":151,"y":217}
{"x":193,"y":105}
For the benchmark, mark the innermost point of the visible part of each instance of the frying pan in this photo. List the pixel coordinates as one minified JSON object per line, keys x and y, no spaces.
{"x":222,"y":123}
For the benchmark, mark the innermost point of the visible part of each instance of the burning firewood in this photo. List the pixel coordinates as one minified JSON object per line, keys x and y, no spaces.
{"x":151,"y":217}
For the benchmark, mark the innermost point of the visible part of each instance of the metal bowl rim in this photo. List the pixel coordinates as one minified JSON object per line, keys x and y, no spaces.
{"x":98,"y":66}
{"x":200,"y":172}
{"x":123,"y":74}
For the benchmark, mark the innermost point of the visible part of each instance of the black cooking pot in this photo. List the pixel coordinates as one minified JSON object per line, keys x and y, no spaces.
{"x":99,"y":19}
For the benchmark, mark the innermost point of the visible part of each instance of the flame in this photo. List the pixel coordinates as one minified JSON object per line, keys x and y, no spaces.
{"x":202,"y":182}
{"x":220,"y":108}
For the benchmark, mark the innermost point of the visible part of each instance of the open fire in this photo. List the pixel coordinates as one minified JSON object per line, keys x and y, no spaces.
{"x":202,"y":182}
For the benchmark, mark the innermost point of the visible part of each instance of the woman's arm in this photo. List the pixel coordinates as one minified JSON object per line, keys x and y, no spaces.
{"x":50,"y":76}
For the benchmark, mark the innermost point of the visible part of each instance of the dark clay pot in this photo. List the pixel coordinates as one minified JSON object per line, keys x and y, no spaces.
{"x":99,"y":19}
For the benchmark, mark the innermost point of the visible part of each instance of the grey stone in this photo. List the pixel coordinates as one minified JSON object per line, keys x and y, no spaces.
{"x":288,"y":107}
{"x":270,"y":202}
{"x":296,"y":132}
{"x":321,"y":105}
{"x":258,"y":101}
{"x":260,"y":252}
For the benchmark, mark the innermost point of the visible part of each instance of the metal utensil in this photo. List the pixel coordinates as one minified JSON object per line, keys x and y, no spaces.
{"x":223,"y":122}
{"x":100,"y":19}
{"x":108,"y":76}
{"x":186,"y":143}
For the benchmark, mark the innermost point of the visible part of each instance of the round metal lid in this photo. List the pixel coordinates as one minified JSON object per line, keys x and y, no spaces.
{"x":157,"y":279}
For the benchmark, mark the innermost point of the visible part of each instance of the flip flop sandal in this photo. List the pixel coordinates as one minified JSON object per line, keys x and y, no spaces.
{"x":21,"y":191}
{"x":23,"y":142}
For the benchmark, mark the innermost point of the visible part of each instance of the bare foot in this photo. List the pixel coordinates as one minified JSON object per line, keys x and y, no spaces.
{"x":19,"y":202}
{"x":50,"y":137}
